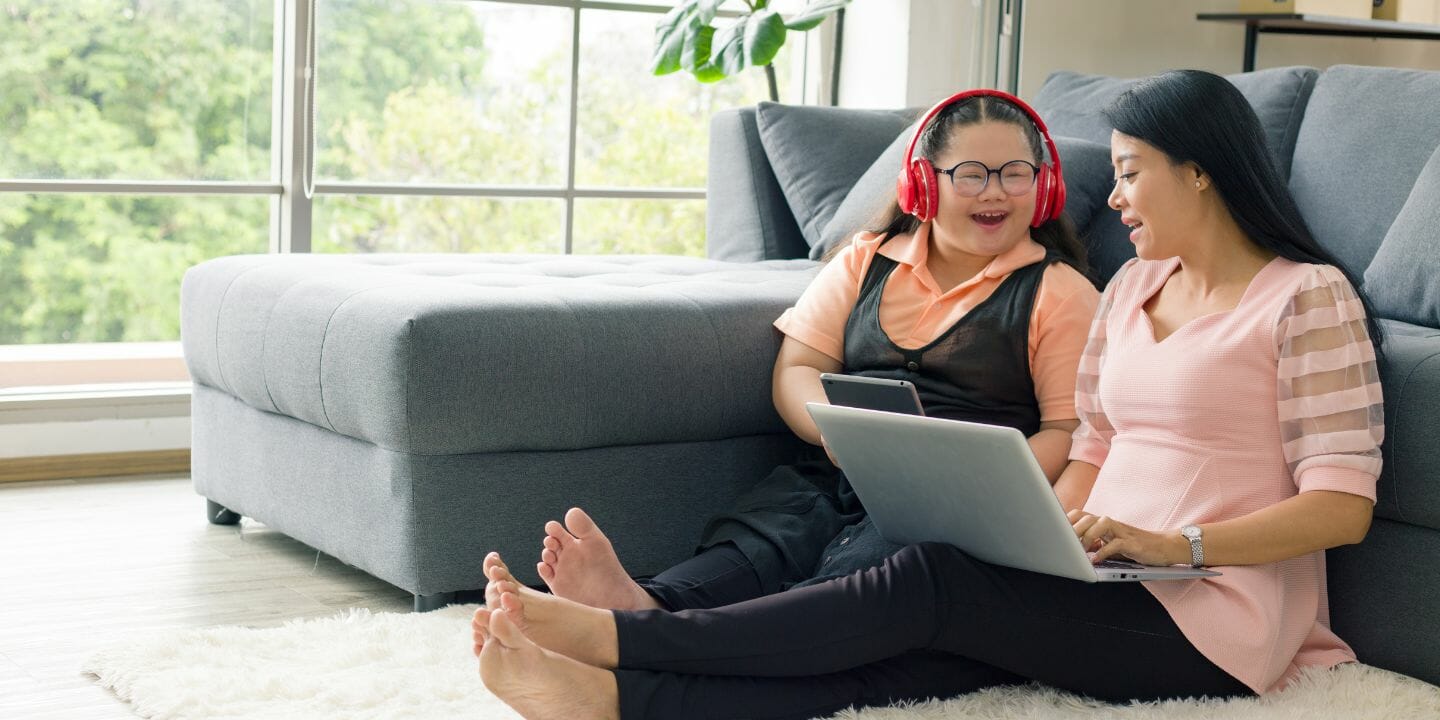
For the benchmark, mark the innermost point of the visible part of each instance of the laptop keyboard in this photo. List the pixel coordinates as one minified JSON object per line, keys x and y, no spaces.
{"x":1118,"y":565}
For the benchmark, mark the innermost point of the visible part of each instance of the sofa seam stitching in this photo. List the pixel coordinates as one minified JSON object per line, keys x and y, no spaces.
{"x":320,"y":363}
{"x":1394,"y":441}
{"x":219,"y":309}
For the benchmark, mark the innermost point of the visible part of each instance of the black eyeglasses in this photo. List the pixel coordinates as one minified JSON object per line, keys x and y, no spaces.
{"x":969,"y":178}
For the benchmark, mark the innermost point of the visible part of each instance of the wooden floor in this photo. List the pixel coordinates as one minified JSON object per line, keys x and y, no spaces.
{"x":85,"y":563}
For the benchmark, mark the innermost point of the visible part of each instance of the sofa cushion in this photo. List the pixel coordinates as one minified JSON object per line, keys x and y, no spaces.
{"x":817,"y":154}
{"x":1401,"y":280}
{"x":451,"y":354}
{"x":1367,"y":133}
{"x":756,"y":223}
{"x":867,"y":198}
{"x":1071,"y":104}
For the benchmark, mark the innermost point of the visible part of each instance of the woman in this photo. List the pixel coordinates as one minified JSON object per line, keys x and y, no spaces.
{"x":1230,"y":416}
{"x":973,"y":295}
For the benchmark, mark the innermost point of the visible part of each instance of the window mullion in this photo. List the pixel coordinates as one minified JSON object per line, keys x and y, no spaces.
{"x":573,"y":133}
{"x":291,"y":230}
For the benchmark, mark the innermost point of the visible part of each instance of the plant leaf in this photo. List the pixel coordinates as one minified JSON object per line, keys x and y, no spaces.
{"x":764,"y":34}
{"x":671,"y":33}
{"x":728,"y":49}
{"x":697,"y":48}
{"x":708,"y":73}
{"x":813,"y":14}
{"x":705,"y":10}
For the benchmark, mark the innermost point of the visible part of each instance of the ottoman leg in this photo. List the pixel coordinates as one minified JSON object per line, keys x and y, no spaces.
{"x":426,"y":603}
{"x":217,"y":514}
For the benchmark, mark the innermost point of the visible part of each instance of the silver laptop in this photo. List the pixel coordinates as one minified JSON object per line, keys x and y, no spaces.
{"x":977,"y":487}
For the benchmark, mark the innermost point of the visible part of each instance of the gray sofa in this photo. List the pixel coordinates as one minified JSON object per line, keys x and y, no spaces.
{"x":408,"y":413}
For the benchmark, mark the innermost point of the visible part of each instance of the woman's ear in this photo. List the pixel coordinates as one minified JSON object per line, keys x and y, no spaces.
{"x":1197,"y":176}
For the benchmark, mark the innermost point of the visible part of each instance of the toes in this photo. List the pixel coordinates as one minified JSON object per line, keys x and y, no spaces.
{"x":580,"y":525}
{"x":480,"y":629}
{"x":547,"y":573}
{"x":549,"y":557}
{"x":495,"y":588}
{"x":496,"y":570}
{"x":492,"y":562}
{"x":551,"y":544}
{"x":504,"y":629}
{"x":562,"y":537}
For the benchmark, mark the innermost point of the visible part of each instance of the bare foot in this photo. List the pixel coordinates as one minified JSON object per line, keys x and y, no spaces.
{"x":480,"y":629}
{"x":542,"y":685}
{"x":576,"y":631}
{"x":578,"y":563}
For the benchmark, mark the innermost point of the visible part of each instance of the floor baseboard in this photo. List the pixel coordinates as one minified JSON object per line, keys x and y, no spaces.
{"x":64,"y":467}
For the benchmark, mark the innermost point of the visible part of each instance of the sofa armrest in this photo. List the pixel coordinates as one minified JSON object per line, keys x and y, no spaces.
{"x":746,"y":216}
{"x":1409,"y":488}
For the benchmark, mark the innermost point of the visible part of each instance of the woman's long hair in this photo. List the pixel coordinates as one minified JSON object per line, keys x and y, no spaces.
{"x":1056,"y":235}
{"x":1199,"y":117}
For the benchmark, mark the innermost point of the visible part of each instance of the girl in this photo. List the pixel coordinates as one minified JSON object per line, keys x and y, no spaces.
{"x":972,"y":291}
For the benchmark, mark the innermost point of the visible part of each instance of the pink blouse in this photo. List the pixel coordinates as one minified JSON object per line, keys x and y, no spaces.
{"x":1233,"y":412}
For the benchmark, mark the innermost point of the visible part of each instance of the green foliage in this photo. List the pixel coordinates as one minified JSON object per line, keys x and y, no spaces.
{"x":407,"y":92}
{"x":685,"y":39}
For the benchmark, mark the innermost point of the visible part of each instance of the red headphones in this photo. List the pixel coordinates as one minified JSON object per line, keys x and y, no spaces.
{"x":917,"y":188}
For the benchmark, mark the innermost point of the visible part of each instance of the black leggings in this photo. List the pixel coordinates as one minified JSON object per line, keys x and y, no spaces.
{"x":929,"y":622}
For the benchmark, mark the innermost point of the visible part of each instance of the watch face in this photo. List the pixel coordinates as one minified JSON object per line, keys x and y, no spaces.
{"x":1190,"y":531}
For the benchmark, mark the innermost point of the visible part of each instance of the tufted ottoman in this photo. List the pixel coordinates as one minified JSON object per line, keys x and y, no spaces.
{"x":408,"y":413}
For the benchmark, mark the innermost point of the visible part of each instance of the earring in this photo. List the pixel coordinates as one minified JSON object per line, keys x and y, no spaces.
{"x":1197,"y":183}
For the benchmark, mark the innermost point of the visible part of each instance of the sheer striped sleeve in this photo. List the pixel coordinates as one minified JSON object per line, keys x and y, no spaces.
{"x":1091,"y":440}
{"x":1332,"y":416}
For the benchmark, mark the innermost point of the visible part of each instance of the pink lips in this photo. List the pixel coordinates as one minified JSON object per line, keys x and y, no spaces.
{"x":1135,"y":229}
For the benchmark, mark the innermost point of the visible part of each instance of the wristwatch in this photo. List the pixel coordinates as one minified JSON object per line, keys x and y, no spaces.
{"x":1197,"y":551}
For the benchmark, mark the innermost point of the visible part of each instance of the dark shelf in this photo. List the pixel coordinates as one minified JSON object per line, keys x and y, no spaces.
{"x":1279,"y":24}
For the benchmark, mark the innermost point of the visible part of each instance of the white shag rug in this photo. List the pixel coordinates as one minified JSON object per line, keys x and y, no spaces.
{"x":362,"y":666}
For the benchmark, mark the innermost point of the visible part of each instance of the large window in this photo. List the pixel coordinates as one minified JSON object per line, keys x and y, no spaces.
{"x":139,"y":137}
{"x":115,"y":117}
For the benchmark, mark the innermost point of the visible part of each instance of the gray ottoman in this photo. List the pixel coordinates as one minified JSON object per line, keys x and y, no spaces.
{"x":408,"y":413}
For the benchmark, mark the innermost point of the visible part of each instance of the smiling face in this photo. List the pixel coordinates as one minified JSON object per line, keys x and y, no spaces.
{"x":1157,"y":199}
{"x":993,"y":221}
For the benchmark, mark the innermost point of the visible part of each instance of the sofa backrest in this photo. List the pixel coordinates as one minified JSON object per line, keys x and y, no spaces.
{"x":1367,"y":133}
{"x":1071,"y":104}
{"x":746,"y":216}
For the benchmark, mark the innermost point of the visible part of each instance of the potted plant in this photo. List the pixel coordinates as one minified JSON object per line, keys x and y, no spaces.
{"x":685,"y":39}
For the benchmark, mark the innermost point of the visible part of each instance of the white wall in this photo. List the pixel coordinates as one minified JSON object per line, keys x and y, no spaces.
{"x":911,"y":52}
{"x":109,"y":435}
{"x":1143,"y":37}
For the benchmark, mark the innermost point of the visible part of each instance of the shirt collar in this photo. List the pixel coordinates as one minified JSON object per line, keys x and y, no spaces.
{"x":914,"y":249}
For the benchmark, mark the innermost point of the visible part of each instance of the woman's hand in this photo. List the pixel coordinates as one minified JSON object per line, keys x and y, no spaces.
{"x":1108,"y":538}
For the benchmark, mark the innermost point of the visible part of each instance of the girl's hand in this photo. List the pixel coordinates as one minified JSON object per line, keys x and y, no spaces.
{"x":1108,"y":538}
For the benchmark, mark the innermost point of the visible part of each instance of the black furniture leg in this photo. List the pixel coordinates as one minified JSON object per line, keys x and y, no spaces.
{"x":218,"y":514}
{"x":1252,"y":34}
{"x":426,"y":603}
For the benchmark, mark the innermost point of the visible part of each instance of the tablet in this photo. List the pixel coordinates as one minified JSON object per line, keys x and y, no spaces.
{"x":897,"y":396}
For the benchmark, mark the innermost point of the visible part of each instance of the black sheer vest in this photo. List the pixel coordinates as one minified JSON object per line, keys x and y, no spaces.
{"x":978,"y":370}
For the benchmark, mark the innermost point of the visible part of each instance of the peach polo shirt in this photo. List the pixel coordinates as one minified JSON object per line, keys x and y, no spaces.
{"x":915,"y":310}
{"x":1231,"y":413}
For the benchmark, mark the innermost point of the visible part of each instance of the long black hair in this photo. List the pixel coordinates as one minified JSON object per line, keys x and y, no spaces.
{"x":1056,"y":235}
{"x":1198,"y":117}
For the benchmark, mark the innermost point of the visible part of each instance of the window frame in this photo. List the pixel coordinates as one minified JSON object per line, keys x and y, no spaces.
{"x":292,"y":188}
